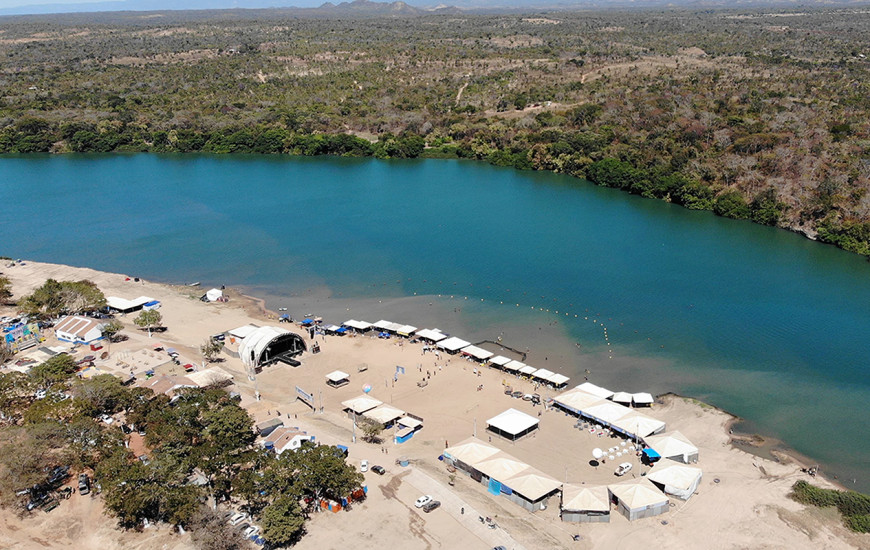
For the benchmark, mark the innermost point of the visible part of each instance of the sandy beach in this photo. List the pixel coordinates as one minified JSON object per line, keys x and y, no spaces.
{"x":741,"y":501}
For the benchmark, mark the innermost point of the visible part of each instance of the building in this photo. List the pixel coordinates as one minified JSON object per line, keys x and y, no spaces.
{"x":585,"y":504}
{"x":78,"y":330}
{"x":677,"y":480}
{"x":638,"y":499}
{"x":512,"y":424}
{"x":673,"y":445}
{"x":287,"y":439}
{"x":266,"y":345}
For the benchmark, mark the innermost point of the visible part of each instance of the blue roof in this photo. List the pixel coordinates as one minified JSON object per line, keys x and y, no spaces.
{"x":285,"y":316}
{"x":342,"y":447}
{"x":651,"y":453}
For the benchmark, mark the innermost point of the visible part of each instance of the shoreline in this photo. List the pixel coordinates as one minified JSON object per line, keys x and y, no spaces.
{"x":751,"y":499}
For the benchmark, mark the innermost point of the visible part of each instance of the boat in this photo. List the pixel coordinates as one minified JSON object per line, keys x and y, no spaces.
{"x":194,"y":284}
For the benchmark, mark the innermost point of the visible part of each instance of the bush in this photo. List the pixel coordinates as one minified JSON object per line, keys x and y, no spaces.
{"x":854,"y":506}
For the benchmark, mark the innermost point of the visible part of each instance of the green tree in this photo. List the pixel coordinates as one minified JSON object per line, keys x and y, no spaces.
{"x":283,"y":521}
{"x":5,"y":290}
{"x":766,"y":208}
{"x":112,"y":329}
{"x":55,"y":369}
{"x":102,"y":394}
{"x":210,"y":349}
{"x":56,"y":298}
{"x":731,"y":204}
{"x":148,"y":319}
{"x":322,"y":472}
{"x":371,"y":429}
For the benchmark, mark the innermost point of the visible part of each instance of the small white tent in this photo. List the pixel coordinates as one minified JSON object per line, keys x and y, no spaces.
{"x":678,"y":480}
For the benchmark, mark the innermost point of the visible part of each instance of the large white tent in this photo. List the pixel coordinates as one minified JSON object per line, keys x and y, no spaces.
{"x":533,"y":484}
{"x":622,"y":397}
{"x":478,"y":353}
{"x":639,"y":425}
{"x":433,"y":335}
{"x":639,"y":499}
{"x":585,"y":504}
{"x":673,"y":445}
{"x":514,"y":365}
{"x":559,"y":380}
{"x":501,"y":467}
{"x":453,"y":344}
{"x":512,"y":424}
{"x":577,"y":400}
{"x":678,"y":480}
{"x":361,"y":404}
{"x":528,"y":370}
{"x":124,"y":305}
{"x":597,"y":391}
{"x":357,"y":325}
{"x":500,"y":360}
{"x":607,"y":412}
{"x":642,"y":398}
{"x":264,"y":343}
{"x":470,"y":451}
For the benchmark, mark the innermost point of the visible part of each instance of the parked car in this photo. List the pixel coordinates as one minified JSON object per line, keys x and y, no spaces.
{"x":422,"y":501}
{"x":243,"y":527}
{"x":252,"y":531}
{"x":363,"y":465}
{"x":379,"y":470}
{"x":431,"y":505}
{"x":84,"y":484}
{"x":238,"y":518}
{"x":623,"y":468}
{"x":517,"y":394}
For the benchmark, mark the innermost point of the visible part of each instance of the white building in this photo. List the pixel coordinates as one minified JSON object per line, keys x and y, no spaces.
{"x":78,"y":330}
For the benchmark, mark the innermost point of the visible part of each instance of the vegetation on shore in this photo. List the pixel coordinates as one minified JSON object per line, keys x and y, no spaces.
{"x":750,"y":115}
{"x":199,"y":446}
{"x":854,"y":506}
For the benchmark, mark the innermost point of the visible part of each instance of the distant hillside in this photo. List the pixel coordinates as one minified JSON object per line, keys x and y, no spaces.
{"x":414,"y":7}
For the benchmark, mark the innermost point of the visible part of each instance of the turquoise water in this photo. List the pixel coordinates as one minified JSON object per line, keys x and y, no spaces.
{"x":761,"y":322}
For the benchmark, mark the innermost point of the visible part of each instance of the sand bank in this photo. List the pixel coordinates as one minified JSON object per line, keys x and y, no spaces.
{"x":741,"y":501}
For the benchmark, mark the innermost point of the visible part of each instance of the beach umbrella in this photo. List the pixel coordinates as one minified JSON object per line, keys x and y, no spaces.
{"x":597,"y":453}
{"x":611,"y":457}
{"x":367,"y":388}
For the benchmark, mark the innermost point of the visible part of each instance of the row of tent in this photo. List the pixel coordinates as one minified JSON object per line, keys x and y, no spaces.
{"x":452,"y":344}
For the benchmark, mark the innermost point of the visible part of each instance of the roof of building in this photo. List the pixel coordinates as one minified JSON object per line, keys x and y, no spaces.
{"x":409,"y":422}
{"x":637,"y":494}
{"x":676,"y":475}
{"x":361,"y":404}
{"x":533,"y":484}
{"x":581,"y":499}
{"x":77,"y":326}
{"x":501,"y":466}
{"x":384,"y":414}
{"x":471,"y":451}
{"x":122,"y":304}
{"x":512,"y":421}
{"x":642,"y":398}
{"x":257,"y":341}
{"x":514,"y":365}
{"x":243,"y":331}
{"x":671,"y":444}
{"x":639,"y":425}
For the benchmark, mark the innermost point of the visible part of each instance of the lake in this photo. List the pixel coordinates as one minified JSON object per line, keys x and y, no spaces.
{"x":646,"y":295}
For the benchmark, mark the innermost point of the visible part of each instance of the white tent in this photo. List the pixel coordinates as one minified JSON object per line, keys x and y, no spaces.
{"x":500,"y":360}
{"x":577,"y":400}
{"x":597,"y":391}
{"x":357,"y":325}
{"x":214,"y":295}
{"x":622,"y":397}
{"x":673,"y":445}
{"x":543,"y":374}
{"x":361,"y":404}
{"x":471,"y":451}
{"x":642,"y":398}
{"x":476,"y":352}
{"x":608,"y":411}
{"x":639,"y":425}
{"x":405,"y":330}
{"x":512,"y":423}
{"x":384,"y":414}
{"x":559,"y":379}
{"x":532,"y":484}
{"x":513,"y":366}
{"x":258,"y":344}
{"x":527,"y":370}
{"x":678,"y":480}
{"x":122,"y":304}
{"x":243,"y":331}
{"x":433,"y":335}
{"x":501,"y":467}
{"x":638,"y":499}
{"x":209,"y":376}
{"x":409,"y":422}
{"x":585,"y":504}
{"x":388,"y":326}
{"x":337,"y":378}
{"x":453,"y":344}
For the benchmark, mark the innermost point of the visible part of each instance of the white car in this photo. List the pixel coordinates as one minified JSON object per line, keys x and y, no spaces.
{"x":623,"y":468}
{"x":237,"y":519}
{"x":422,"y":501}
{"x":364,"y":466}
{"x":252,"y":531}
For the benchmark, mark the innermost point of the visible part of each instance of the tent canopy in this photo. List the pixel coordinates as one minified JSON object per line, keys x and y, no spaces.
{"x":337,"y":376}
{"x":266,"y":342}
{"x":577,"y":400}
{"x":361,"y":404}
{"x":639,"y":425}
{"x":637,"y":494}
{"x":585,"y":499}
{"x":122,"y":304}
{"x":471,"y":451}
{"x":512,"y":422}
{"x":384,"y":414}
{"x":409,"y":422}
{"x":434,"y":335}
{"x":597,"y":391}
{"x":476,"y":352}
{"x":406,"y":330}
{"x":214,"y":295}
{"x":501,"y":467}
{"x":514,"y":365}
{"x":671,"y":444}
{"x":559,"y":379}
{"x":243,"y":331}
{"x":532,"y":484}
{"x":678,"y":480}
{"x":500,"y":360}
{"x":453,"y":344}
{"x":358,"y":325}
{"x":622,"y":397}
{"x":608,"y":411}
{"x":528,"y":369}
{"x":642,"y":398}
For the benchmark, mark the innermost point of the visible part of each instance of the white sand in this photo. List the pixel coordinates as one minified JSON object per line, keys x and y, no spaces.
{"x":747,"y":508}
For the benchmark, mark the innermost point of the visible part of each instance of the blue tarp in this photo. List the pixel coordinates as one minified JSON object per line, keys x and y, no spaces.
{"x":285,"y":316}
{"x":342,"y":447}
{"x":342,"y":330}
{"x":494,"y":487}
{"x":307,"y":321}
{"x":651,"y":454}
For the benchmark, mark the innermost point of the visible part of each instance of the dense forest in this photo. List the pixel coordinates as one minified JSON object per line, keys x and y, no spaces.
{"x":753,"y":115}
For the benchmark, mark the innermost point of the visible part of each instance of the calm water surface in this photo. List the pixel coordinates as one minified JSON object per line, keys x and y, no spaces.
{"x":761,"y":322}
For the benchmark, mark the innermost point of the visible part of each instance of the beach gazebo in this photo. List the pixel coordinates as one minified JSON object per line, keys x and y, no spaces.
{"x":337,"y":379}
{"x":512,"y":424}
{"x":642,"y":399}
{"x":638,"y":499}
{"x":673,"y":445}
{"x":384,"y":414}
{"x":359,"y":405}
{"x":585,"y":504}
{"x":677,"y":480}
